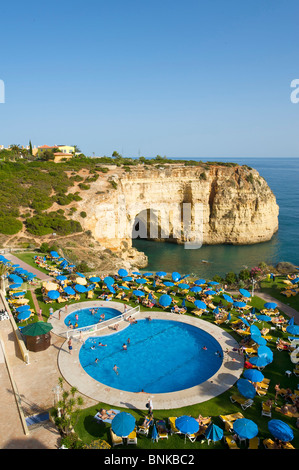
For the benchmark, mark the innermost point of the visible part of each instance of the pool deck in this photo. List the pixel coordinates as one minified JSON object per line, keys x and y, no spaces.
{"x":72,"y":371}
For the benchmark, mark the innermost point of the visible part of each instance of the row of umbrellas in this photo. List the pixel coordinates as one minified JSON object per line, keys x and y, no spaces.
{"x":124,"y":423}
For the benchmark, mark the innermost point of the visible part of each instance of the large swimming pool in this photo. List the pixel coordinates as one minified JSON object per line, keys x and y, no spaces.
{"x":90,"y":316}
{"x":162,"y":356}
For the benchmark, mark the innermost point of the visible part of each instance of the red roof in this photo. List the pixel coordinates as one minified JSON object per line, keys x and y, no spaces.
{"x":48,"y":147}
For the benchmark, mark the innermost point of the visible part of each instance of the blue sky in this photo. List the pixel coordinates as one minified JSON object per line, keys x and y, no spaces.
{"x":177,"y":78}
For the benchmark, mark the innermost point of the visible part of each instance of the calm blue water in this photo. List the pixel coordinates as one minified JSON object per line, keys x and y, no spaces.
{"x":281,"y":175}
{"x":162,"y":356}
{"x":87,"y":318}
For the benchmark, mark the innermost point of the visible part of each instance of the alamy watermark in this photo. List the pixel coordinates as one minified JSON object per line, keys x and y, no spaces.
{"x":181,"y":221}
{"x":295,"y":93}
{"x":2,"y":92}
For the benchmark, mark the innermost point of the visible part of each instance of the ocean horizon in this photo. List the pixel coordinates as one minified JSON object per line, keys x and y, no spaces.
{"x":281,"y":175}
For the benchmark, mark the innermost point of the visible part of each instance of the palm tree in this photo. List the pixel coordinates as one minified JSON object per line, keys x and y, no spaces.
{"x":3,"y":271}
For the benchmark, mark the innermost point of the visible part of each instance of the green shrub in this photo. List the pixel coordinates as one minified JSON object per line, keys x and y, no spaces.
{"x":9,"y":225}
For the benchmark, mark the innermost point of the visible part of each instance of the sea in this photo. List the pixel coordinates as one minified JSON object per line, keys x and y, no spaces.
{"x":282,"y":176}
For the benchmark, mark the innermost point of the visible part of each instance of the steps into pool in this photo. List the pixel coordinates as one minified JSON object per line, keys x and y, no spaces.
{"x":38,"y":419}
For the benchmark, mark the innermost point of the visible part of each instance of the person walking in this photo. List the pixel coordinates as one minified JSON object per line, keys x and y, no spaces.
{"x":70,"y":346}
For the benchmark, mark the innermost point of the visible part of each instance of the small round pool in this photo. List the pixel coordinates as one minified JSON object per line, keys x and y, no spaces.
{"x":162,"y":356}
{"x":90,"y":316}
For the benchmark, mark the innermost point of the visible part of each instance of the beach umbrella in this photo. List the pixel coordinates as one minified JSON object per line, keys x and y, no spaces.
{"x":24,"y":315}
{"x":123,"y":424}
{"x":263,"y":317}
{"x":245,"y":428}
{"x":168,"y":283}
{"x":210,"y":292}
{"x":161,"y":273}
{"x":54,"y":254}
{"x":200,"y":304}
{"x":154,"y":283}
{"x":155,"y":434}
{"x":79,"y":288}
{"x":183,"y":304}
{"x":122,"y":272}
{"x":258,"y":339}
{"x":18,"y":294}
{"x":280,"y":430}
{"x":258,"y":361}
{"x":69,"y":290}
{"x":244,"y":321}
{"x":229,"y":316}
{"x":254,"y":330}
{"x":290,"y":322}
{"x":183,"y":286}
{"x":246,"y":388}
{"x":165,"y":300}
{"x":213,"y":283}
{"x":136,"y":273}
{"x":216,"y":311}
{"x":110,"y":288}
{"x":95,"y":279}
{"x":61,"y":277}
{"x":196,"y":289}
{"x":294,"y":281}
{"x":79,"y":274}
{"x":125,"y":287}
{"x":187,"y":424}
{"x":200,"y":282}
{"x":175,"y":276}
{"x":53,"y":294}
{"x":109,"y":280}
{"x":141,"y":281}
{"x":244,"y":292}
{"x":293,"y":329}
{"x":265,"y":352}
{"x":14,"y":286}
{"x":36,"y":329}
{"x":239,"y":304}
{"x":138,"y":293}
{"x":254,"y":375}
{"x":16,"y":279}
{"x":228,"y":298}
{"x":127,"y":278}
{"x":270,"y":305}
{"x":213,"y":432}
{"x":23,"y":308}
{"x":147,"y":274}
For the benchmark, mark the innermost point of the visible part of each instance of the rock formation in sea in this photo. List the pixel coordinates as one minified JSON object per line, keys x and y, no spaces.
{"x":229,"y":204}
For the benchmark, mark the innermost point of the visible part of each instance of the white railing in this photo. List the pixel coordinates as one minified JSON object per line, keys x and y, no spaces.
{"x":101,"y":325}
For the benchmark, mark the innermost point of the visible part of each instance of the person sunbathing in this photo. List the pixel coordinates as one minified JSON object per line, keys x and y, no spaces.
{"x":104,"y":414}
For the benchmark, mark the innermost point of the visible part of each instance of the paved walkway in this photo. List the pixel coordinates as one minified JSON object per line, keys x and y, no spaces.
{"x":40,"y":275}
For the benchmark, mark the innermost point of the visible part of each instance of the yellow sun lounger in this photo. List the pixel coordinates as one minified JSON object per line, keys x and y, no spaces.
{"x":231,"y":442}
{"x":173,"y":428}
{"x":116,"y":440}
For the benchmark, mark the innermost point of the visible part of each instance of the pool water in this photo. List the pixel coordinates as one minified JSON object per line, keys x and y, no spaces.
{"x":163,"y":356}
{"x":86,"y":318}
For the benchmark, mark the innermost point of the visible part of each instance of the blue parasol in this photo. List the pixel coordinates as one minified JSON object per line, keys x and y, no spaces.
{"x":80,"y":274}
{"x":24,"y":315}
{"x":95,"y":279}
{"x":244,"y":292}
{"x":155,"y":434}
{"x":165,"y":300}
{"x":79,"y":288}
{"x":161,"y":273}
{"x":265,"y":352}
{"x":141,"y":281}
{"x":53,"y":294}
{"x":136,"y":273}
{"x":54,"y":254}
{"x":254,"y":330}
{"x":254,"y":375}
{"x":263,"y":317}
{"x":127,"y":278}
{"x":258,"y":361}
{"x":210,"y":292}
{"x":168,"y":283}
{"x":244,"y":321}
{"x":61,"y":278}
{"x":200,"y":282}
{"x":228,"y":298}
{"x":293,"y":329}
{"x":147,"y":274}
{"x":183,"y":286}
{"x":290,"y":322}
{"x":123,"y":424}
{"x":122,"y":272}
{"x":246,"y":388}
{"x":175,"y":276}
{"x":270,"y":305}
{"x":213,"y":432}
{"x":109,"y":280}
{"x":18,"y":294}
{"x":258,"y":339}
{"x":196,"y":289}
{"x":14,"y":286}
{"x":187,"y":424}
{"x":200,"y":304}
{"x":69,"y":290}
{"x":110,"y":288}
{"x":245,"y":428}
{"x":213,"y":283}
{"x":239,"y":304}
{"x":138,"y":293}
{"x":23,"y":308}
{"x":280,"y":430}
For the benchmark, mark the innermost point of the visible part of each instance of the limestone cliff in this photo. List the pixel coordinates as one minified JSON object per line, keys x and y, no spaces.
{"x":237,"y":205}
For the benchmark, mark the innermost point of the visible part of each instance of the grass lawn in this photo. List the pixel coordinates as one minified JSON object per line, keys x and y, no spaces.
{"x":274,"y":288}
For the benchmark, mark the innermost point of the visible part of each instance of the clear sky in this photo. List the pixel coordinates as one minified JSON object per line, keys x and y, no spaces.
{"x":188,"y":78}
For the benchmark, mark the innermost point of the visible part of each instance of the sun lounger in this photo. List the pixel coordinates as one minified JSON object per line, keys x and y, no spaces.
{"x":132,"y":438}
{"x":244,"y":402}
{"x":116,"y":440}
{"x":268,"y":444}
{"x":231,"y":442}
{"x":289,"y":413}
{"x":144,"y":429}
{"x":266,"y":410}
{"x":254,"y":443}
{"x":162,"y":430}
{"x":173,"y":428}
